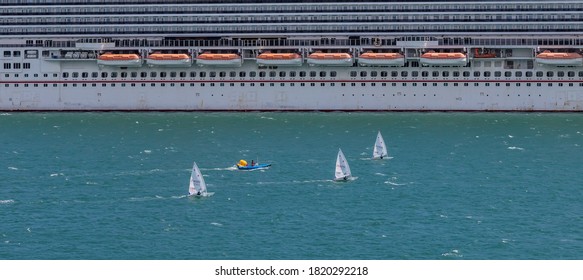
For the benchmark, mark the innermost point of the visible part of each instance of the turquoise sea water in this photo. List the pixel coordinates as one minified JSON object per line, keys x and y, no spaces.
{"x":458,"y":186}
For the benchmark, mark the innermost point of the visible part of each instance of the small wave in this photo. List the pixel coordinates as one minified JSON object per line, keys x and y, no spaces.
{"x":348,"y":179}
{"x":12,"y":168}
{"x":7,"y":201}
{"x":57,"y":174}
{"x":217,"y":224}
{"x":515,"y":148}
{"x":146,"y":198}
{"x":395,"y":184}
{"x":138,"y":172}
{"x":376,"y":159}
{"x":293,"y":182}
{"x":453,"y":253}
{"x":220,"y":168}
{"x":5,"y":114}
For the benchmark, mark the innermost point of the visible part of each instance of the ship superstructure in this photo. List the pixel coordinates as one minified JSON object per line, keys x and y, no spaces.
{"x":291,"y":55}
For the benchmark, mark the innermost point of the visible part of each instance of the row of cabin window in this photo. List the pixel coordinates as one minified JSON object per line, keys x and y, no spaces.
{"x":436,"y":73}
{"x":301,"y":84}
{"x":13,"y":53}
{"x":16,"y":65}
{"x":322,"y":74}
{"x":192,"y":74}
{"x":26,"y":75}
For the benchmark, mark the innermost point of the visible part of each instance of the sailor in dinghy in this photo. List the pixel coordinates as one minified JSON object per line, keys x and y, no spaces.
{"x":244,"y":165}
{"x":342,"y":171}
{"x":197,"y":186}
{"x":379,"y":148}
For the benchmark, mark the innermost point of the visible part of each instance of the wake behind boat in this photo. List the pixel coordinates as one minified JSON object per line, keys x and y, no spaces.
{"x":244,"y":165}
{"x":197,"y":186}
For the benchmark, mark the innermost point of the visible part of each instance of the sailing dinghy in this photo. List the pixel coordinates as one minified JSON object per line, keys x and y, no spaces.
{"x":380,"y":149}
{"x":197,"y":187}
{"x":342,"y":169}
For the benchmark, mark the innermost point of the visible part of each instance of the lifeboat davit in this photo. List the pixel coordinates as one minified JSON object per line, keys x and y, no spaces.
{"x":559,"y":58}
{"x":432,"y":58}
{"x":219,"y":59}
{"x":281,"y":59}
{"x":330,"y":59}
{"x":381,"y":59}
{"x":120,"y":59}
{"x":169,"y":59}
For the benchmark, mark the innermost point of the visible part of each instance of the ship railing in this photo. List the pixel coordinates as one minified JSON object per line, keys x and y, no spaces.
{"x":332,"y":43}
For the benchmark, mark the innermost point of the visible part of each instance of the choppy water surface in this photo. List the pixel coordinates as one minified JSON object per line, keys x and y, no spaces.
{"x":458,"y":186}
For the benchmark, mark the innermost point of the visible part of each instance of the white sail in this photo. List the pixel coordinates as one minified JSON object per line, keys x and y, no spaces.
{"x":342,"y":168}
{"x":197,"y":183}
{"x":380,"y":149}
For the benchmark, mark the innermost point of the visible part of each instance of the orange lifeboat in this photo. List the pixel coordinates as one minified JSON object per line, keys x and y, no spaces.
{"x":169,"y":59}
{"x":559,"y":58}
{"x":283,"y":59}
{"x":432,"y":58}
{"x":219,"y":59}
{"x":478,"y":54}
{"x":119,"y":56}
{"x":330,"y":59}
{"x":168,"y":56}
{"x":381,"y":59}
{"x":119,"y":59}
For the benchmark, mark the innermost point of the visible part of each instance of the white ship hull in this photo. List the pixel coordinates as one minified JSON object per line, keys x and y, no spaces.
{"x":76,"y":55}
{"x":341,"y":92}
{"x":362,"y":98}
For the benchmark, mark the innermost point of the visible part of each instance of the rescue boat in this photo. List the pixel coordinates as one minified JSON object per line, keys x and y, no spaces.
{"x":120,"y":59}
{"x":330,"y":59}
{"x":381,"y":59}
{"x":169,"y":59}
{"x":281,"y":59}
{"x":219,"y":59}
{"x":432,"y":58}
{"x":484,"y":54}
{"x":559,"y":58}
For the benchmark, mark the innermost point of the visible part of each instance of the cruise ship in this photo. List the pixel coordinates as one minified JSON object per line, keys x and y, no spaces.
{"x":238,"y":55}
